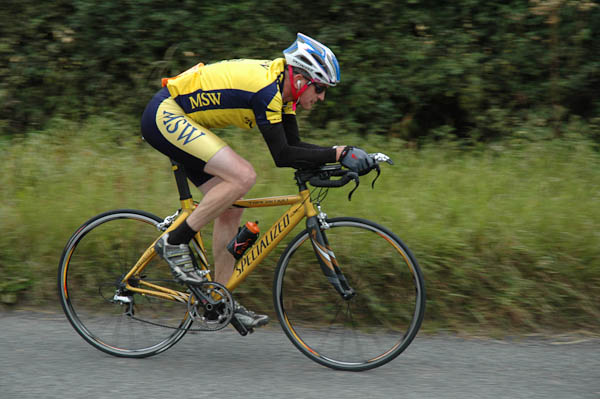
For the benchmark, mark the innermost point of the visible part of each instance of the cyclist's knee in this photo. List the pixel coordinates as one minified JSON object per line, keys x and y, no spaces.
{"x":247,"y":179}
{"x":243,"y":176}
{"x":232,"y":168}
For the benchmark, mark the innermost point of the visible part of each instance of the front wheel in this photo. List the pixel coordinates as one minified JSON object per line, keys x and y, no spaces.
{"x":367,"y":330}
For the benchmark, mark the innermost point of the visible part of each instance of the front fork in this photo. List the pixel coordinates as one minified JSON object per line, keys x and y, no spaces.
{"x":316,"y":226}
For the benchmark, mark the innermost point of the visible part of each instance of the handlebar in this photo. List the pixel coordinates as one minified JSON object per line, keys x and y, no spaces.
{"x":321,"y":177}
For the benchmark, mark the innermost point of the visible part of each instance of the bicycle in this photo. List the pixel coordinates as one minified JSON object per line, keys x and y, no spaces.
{"x":340,"y":309}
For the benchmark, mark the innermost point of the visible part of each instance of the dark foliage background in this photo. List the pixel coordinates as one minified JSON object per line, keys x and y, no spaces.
{"x":413,"y":69}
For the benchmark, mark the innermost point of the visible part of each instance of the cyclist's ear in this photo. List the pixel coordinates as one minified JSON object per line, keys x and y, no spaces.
{"x":298,"y":77}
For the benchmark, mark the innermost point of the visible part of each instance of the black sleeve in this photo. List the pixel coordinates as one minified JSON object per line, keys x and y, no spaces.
{"x":287,"y":149}
{"x":290,"y":125}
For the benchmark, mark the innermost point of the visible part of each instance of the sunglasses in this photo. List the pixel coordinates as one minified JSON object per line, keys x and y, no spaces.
{"x":319,"y":88}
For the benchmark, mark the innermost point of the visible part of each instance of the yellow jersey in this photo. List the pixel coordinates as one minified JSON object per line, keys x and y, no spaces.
{"x":242,"y":93}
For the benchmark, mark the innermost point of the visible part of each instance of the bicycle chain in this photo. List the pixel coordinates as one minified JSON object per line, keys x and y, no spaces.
{"x":129,"y":313}
{"x":152,"y":323}
{"x":169,"y":327}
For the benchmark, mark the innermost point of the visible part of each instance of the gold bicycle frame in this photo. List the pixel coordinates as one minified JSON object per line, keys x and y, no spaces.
{"x":300,"y":207}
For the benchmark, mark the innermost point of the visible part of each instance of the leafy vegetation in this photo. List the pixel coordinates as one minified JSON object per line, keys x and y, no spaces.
{"x":415,"y":69}
{"x":506,"y":234}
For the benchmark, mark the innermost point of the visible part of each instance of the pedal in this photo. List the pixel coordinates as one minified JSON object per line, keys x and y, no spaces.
{"x":240,"y":327}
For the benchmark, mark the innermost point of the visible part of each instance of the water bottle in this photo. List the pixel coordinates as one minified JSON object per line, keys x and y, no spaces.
{"x":244,"y":239}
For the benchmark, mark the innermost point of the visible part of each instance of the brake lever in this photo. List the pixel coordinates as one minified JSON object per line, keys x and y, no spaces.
{"x":376,"y":177}
{"x":354,"y":176}
{"x":379,"y":157}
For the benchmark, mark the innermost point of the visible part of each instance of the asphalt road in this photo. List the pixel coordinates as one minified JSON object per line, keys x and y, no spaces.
{"x":42,"y":357}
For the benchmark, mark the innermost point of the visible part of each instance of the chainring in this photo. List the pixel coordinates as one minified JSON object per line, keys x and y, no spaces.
{"x":210,"y":305}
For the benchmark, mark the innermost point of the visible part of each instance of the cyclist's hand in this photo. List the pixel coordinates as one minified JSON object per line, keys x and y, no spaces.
{"x":357,"y":160}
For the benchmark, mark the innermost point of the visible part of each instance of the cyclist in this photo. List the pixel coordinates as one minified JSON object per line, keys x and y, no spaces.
{"x":243,"y":93}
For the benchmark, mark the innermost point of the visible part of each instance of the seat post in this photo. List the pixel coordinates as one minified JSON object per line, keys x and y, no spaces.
{"x":181,"y":178}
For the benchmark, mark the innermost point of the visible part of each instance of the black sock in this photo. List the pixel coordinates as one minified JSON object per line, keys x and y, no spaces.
{"x":181,"y":235}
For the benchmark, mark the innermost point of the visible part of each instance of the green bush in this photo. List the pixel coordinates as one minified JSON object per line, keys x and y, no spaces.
{"x":506,"y":234}
{"x":417,"y":70}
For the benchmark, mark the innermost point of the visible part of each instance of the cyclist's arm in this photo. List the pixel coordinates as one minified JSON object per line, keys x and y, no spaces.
{"x":288,"y":150}
{"x":293,"y":137}
{"x":290,"y":125}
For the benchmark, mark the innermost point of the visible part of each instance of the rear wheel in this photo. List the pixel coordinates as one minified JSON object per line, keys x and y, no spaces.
{"x":96,"y":303}
{"x":367,"y":330}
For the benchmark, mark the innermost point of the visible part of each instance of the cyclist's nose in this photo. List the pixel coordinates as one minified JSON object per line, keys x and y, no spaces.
{"x":321,"y":96}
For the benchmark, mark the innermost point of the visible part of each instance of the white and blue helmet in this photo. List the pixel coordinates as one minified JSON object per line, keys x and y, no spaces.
{"x":314,"y":58}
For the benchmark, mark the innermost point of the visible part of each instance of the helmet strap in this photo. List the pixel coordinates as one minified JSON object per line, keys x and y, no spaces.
{"x":295,"y":92}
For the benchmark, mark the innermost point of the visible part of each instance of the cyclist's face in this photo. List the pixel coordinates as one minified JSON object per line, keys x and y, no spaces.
{"x":310,"y":96}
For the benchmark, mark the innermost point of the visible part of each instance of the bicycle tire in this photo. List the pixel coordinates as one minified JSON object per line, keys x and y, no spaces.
{"x":373,"y":327}
{"x":91,"y":267}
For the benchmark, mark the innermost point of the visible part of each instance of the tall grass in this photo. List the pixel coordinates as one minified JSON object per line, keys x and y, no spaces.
{"x":507,"y":236}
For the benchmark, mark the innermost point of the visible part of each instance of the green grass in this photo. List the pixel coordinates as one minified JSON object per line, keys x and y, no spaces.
{"x":507,"y":235}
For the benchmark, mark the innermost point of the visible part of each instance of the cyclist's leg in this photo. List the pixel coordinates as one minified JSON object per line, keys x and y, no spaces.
{"x":215,"y":168}
{"x":234,"y":176}
{"x":222,"y":175}
{"x":225,"y":227}
{"x":166,"y":128}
